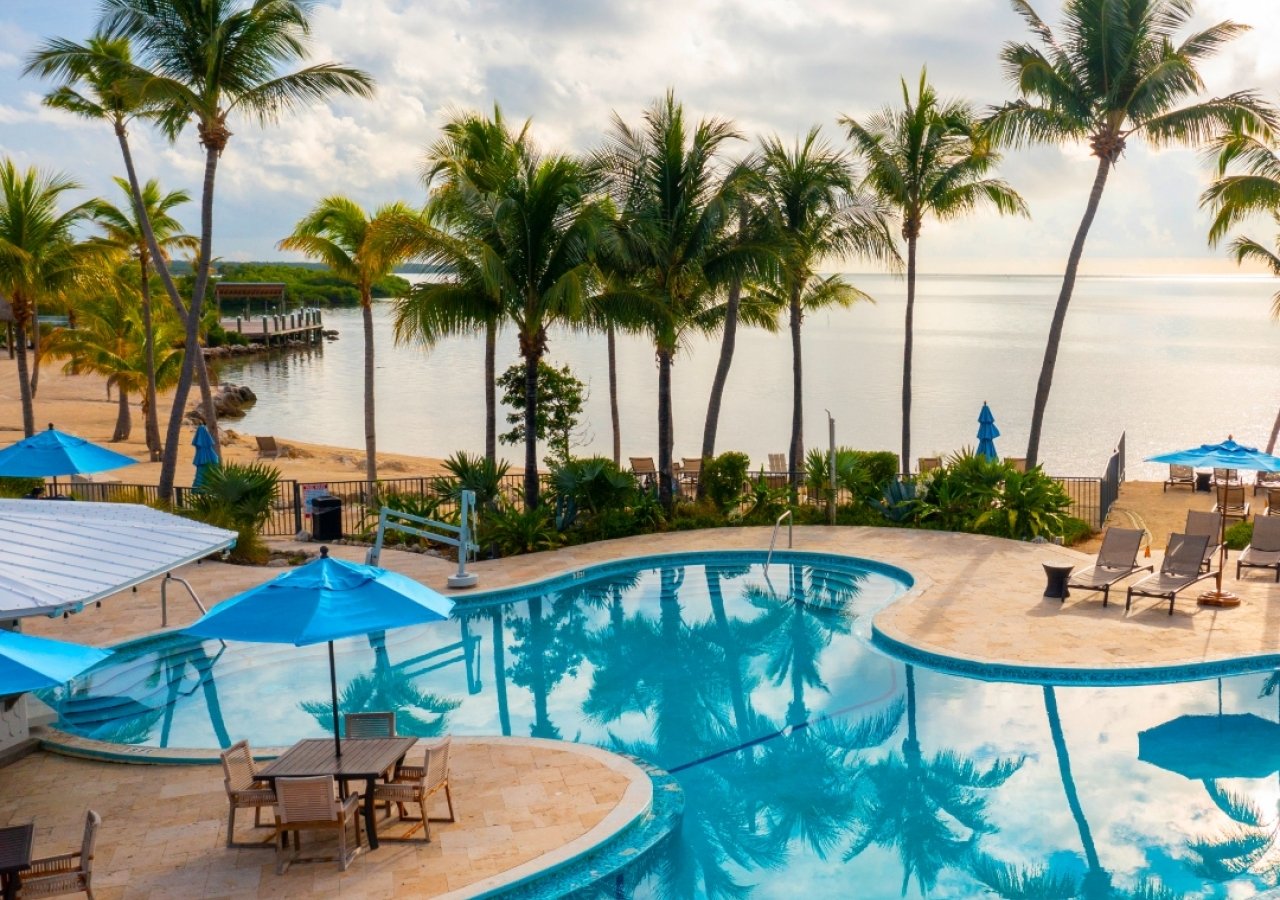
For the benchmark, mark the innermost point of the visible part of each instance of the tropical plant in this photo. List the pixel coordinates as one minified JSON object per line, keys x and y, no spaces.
{"x":815,"y":213}
{"x":472,"y":473}
{"x":723,"y":478}
{"x":593,"y":486}
{"x":202,"y":59}
{"x":763,"y":501}
{"x":340,"y":234}
{"x":512,"y":530}
{"x":558,"y":414}
{"x":122,"y":231}
{"x":1117,"y":72}
{"x":238,"y":496}
{"x":40,"y":261}
{"x":952,"y":497}
{"x":415,"y":504}
{"x":1026,"y":505}
{"x":865,"y":474}
{"x":926,"y":158}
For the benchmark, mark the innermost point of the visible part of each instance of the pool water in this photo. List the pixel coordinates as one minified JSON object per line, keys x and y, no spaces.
{"x":812,"y":764}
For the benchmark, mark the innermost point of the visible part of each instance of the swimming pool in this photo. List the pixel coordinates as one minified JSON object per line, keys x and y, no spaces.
{"x":811,"y":763}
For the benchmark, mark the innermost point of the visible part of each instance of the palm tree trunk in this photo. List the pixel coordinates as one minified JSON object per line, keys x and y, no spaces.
{"x":1060,"y":312}
{"x":208,"y":410}
{"x":1275,"y":432}
{"x":908,"y":345}
{"x":666,"y":438}
{"x":490,"y":391}
{"x":1068,"y":781}
{"x":24,"y":381}
{"x":152,"y":417}
{"x":532,"y":356}
{"x":370,"y":422}
{"x":500,"y":671}
{"x":612,"y":343}
{"x":797,"y":394}
{"x":912,"y":735}
{"x":35,"y":349}
{"x":728,"y":342}
{"x":732,"y":653}
{"x":191,"y":357}
{"x":124,"y":417}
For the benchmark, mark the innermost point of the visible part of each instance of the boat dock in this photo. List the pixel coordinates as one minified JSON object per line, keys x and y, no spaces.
{"x":303,"y":326}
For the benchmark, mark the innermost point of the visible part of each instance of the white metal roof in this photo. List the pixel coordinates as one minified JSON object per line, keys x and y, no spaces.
{"x":56,"y":555}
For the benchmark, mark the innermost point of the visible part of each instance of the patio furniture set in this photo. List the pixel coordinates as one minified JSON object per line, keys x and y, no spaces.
{"x":51,"y":876}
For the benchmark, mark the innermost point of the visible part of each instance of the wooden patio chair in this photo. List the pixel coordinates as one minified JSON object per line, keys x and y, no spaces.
{"x":369,"y":725}
{"x":1263,"y":551}
{"x":1184,"y":476}
{"x":244,"y":790}
{"x":778,"y":463}
{"x":417,"y":784}
{"x":1178,"y":571}
{"x":929,"y":463}
{"x":308,"y":804}
{"x":68,"y":873}
{"x":1231,"y":502}
{"x":1018,"y":463}
{"x":268,"y":448}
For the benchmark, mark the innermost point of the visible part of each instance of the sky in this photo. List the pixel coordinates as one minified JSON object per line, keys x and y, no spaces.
{"x":570,"y":65}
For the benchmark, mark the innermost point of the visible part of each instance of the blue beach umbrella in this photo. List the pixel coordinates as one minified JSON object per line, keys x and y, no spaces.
{"x":52,"y":453}
{"x":1208,"y":747}
{"x":987,"y":433}
{"x":1226,"y":455}
{"x":206,"y":453}
{"x":30,"y":663}
{"x":321,"y":602}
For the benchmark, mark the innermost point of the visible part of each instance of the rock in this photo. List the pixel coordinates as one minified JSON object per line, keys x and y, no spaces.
{"x":277,"y":563}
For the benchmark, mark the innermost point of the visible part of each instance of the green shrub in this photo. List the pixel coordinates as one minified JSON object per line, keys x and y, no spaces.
{"x":1026,"y":505}
{"x":865,"y":474}
{"x":589,"y":487}
{"x":472,"y":473}
{"x":974,"y":494}
{"x":424,"y":507}
{"x":19,"y":487}
{"x":1239,"y":536}
{"x":511,"y":530}
{"x":763,"y":502}
{"x":238,"y":496}
{"x":723,"y":479}
{"x":1075,"y":531}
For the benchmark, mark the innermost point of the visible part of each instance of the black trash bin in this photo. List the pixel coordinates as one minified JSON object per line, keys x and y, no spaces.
{"x":326,"y":518}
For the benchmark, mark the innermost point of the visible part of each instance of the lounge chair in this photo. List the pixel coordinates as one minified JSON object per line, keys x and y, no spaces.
{"x":929,"y":463}
{"x":778,"y":463}
{"x":417,"y":784}
{"x":1018,"y":463}
{"x":244,"y":790}
{"x":1266,"y":481}
{"x":67,"y":873}
{"x":1231,"y":502}
{"x":1263,"y":551}
{"x":1179,"y":570}
{"x":690,"y":469}
{"x":1229,"y":477}
{"x":645,"y":472}
{"x":1180,"y":475}
{"x":1210,"y":525}
{"x":1117,"y":560}
{"x":307,"y":804}
{"x":1273,"y":502}
{"x":268,"y":448}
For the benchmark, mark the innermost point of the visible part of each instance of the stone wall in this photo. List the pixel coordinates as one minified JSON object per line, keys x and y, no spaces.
{"x":13,"y":722}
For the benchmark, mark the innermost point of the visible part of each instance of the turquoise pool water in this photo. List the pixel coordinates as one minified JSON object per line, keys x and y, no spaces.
{"x":812,"y":764}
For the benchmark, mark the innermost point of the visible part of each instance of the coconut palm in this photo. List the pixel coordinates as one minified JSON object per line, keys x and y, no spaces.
{"x":922,"y":159}
{"x":122,"y":230}
{"x":1247,"y":183}
{"x":815,"y":214}
{"x":40,"y":262}
{"x":112,"y":340}
{"x":340,"y":234}
{"x":1117,"y":72}
{"x":206,"y":60}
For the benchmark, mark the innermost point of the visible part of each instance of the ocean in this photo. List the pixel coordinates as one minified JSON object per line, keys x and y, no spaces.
{"x":1170,"y":361}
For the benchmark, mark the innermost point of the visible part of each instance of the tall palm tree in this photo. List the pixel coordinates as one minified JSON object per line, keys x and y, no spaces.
{"x":205,"y":60}
{"x":926,"y":158}
{"x":816,"y":214}
{"x":123,"y":231}
{"x":1116,"y":73}
{"x":343,"y":236}
{"x":672,"y":233}
{"x":40,"y":261}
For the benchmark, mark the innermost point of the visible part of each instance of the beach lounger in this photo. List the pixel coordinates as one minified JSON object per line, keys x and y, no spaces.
{"x":1229,"y":477}
{"x":1273,"y":502}
{"x":690,"y":469}
{"x":1263,"y":551}
{"x":1117,"y":559}
{"x":1180,"y":475}
{"x":1018,"y":463}
{"x":268,"y":448}
{"x":929,"y":463}
{"x":1266,"y":481}
{"x":778,"y":463}
{"x":1210,"y":525}
{"x":1231,"y":502}
{"x":645,"y":472}
{"x":1179,"y":570}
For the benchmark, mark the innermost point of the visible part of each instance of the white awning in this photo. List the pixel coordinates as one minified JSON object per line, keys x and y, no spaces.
{"x":57,"y":555}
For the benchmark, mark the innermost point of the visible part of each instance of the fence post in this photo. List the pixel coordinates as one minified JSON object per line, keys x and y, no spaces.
{"x":297,"y":507}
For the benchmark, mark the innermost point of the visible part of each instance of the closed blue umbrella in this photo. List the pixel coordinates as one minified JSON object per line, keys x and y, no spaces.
{"x":30,"y":663}
{"x":987,"y":433}
{"x":206,"y":453}
{"x":52,"y":453}
{"x":323,"y":601}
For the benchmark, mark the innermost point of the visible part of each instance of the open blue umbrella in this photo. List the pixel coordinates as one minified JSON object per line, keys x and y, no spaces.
{"x":1208,"y":747}
{"x":323,"y":601}
{"x":52,"y":453}
{"x":206,"y":453}
{"x":987,"y":433}
{"x":30,"y":663}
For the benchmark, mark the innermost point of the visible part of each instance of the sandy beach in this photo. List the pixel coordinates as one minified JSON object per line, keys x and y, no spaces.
{"x":79,"y":404}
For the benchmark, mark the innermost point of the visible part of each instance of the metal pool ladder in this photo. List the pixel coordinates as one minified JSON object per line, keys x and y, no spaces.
{"x":774,"y":538}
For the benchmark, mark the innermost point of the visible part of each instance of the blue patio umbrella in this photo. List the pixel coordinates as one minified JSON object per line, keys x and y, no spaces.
{"x":206,"y":453}
{"x":987,"y":433}
{"x":29,"y":663}
{"x":52,"y":453}
{"x":1209,"y":747}
{"x":323,"y":601}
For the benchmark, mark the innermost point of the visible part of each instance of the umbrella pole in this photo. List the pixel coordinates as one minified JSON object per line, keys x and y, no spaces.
{"x":333,"y":685}
{"x":1219,"y":597}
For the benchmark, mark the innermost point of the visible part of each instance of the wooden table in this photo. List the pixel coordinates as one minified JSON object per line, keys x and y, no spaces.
{"x":363,"y":759}
{"x":15,"y":857}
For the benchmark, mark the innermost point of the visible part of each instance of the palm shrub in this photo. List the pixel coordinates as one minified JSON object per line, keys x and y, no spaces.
{"x":763,"y":502}
{"x":238,"y":496}
{"x":472,"y":473}
{"x":723,"y":479}
{"x":592,"y":486}
{"x":420,"y":505}
{"x":1026,"y":505}
{"x":951,"y":498}
{"x":511,"y":530}
{"x":865,"y":474}
{"x":19,"y":487}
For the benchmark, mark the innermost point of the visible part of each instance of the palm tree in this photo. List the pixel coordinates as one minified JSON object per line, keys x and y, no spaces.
{"x":1116,"y":73}
{"x":672,"y":233}
{"x":343,"y":236}
{"x":39,"y":259}
{"x":816,"y":214}
{"x":110,"y":339}
{"x":123,"y":231}
{"x":927,"y":159}
{"x":208,"y":59}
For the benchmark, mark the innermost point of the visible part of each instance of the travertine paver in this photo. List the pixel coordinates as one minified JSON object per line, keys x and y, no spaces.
{"x":518,"y":801}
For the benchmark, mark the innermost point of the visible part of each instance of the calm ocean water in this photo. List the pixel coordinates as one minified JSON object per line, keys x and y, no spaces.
{"x":1171,"y":361}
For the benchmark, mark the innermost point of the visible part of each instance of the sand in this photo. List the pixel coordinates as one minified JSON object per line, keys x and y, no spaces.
{"x":78,"y":404}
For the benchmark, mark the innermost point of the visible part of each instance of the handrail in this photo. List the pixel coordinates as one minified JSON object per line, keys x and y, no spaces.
{"x":774,"y":538}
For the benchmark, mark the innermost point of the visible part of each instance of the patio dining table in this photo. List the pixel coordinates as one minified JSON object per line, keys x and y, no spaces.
{"x":362,"y":759}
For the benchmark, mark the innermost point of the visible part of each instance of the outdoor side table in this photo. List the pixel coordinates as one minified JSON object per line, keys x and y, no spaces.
{"x":362,"y":759}
{"x":1203,"y":482}
{"x":1056,"y":580}
{"x":15,"y":857}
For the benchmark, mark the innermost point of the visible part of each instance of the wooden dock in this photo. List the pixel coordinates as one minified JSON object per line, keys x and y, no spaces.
{"x":303,"y":326}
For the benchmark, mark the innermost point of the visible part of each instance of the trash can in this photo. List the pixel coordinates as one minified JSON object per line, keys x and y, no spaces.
{"x":326,"y":518}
